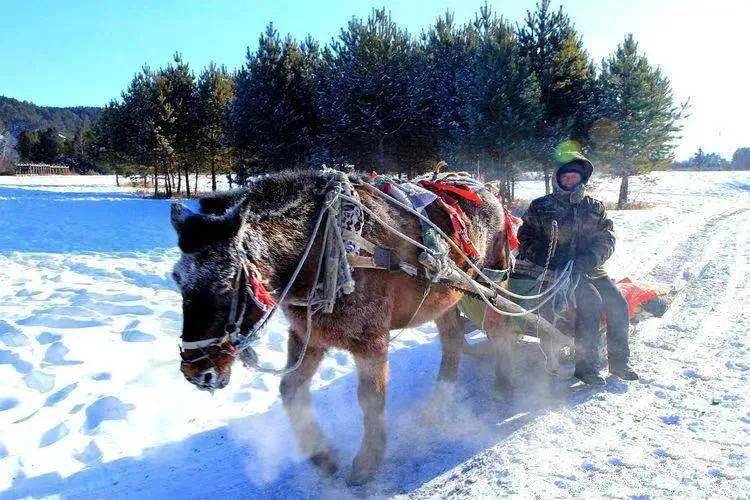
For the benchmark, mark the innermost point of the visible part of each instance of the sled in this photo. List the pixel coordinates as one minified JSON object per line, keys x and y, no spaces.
{"x":645,"y":300}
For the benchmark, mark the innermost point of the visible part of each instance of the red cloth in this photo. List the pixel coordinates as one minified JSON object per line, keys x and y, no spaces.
{"x":512,"y":223}
{"x":635,"y":295}
{"x":458,"y":217}
{"x":448,"y":193}
{"x":261,"y":296}
{"x":441,"y":188}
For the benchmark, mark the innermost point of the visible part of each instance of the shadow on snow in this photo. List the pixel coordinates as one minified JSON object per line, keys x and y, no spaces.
{"x":257,"y":456}
{"x":51,"y":221}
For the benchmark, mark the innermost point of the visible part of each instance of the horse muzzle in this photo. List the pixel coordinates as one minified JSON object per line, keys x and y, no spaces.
{"x":208,"y":379}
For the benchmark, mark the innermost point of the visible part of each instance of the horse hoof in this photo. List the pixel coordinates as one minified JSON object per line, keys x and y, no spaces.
{"x":431,"y":416}
{"x":504,"y":391}
{"x":360,"y":476}
{"x":327,"y":461}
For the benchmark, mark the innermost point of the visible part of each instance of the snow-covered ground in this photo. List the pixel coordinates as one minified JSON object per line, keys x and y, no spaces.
{"x":92,"y":403}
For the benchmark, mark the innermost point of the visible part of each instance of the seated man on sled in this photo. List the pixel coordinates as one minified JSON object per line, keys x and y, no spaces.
{"x":568,"y":225}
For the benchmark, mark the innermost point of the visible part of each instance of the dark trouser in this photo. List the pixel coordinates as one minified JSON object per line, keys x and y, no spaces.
{"x":590,"y":296}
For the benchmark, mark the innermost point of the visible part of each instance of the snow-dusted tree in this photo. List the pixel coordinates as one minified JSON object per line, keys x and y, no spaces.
{"x":274,"y":118}
{"x":444,"y":55}
{"x":368,"y":92}
{"x":555,"y":55}
{"x":501,"y":108}
{"x":637,"y":118}
{"x":215,"y":92}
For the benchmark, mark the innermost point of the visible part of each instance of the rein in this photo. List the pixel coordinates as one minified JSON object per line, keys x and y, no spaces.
{"x":237,"y":343}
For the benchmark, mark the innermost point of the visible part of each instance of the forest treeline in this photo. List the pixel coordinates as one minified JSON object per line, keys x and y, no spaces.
{"x":489,"y":96}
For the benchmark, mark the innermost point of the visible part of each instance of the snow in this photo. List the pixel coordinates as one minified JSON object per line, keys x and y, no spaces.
{"x":92,"y":403}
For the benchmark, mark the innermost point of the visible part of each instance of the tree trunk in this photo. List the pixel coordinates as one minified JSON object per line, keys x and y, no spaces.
{"x":213,"y":174}
{"x":187,"y":182}
{"x":117,"y":179}
{"x":241,"y":171}
{"x":179,"y":181}
{"x":156,"y":182}
{"x":547,"y":187}
{"x":167,"y":182}
{"x":195,"y":184}
{"x":512,"y":190}
{"x":622,"y":200}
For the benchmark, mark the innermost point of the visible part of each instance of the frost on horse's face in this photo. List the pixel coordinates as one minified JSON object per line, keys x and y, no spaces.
{"x":211,"y":258}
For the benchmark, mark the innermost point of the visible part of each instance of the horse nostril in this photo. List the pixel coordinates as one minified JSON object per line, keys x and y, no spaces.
{"x":207,"y":377}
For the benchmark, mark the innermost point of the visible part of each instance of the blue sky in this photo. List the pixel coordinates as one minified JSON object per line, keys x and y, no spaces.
{"x":85,"y":52}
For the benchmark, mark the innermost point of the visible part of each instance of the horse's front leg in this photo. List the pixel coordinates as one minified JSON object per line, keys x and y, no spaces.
{"x":295,"y":394}
{"x":372,"y":369}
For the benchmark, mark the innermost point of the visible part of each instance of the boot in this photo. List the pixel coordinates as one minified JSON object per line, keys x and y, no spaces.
{"x":586,"y":374}
{"x":623,"y":371}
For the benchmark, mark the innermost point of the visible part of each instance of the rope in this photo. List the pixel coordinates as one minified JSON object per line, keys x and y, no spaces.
{"x":331,"y":198}
{"x":427,"y":289}
{"x":455,"y":247}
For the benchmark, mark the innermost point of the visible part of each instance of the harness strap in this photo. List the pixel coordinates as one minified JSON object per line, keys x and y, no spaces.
{"x":360,"y":240}
{"x":200,"y":344}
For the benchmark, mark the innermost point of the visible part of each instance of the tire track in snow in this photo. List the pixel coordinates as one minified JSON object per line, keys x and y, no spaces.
{"x":682,"y":432}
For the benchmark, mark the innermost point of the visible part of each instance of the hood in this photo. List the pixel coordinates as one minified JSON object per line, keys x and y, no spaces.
{"x":575,"y":162}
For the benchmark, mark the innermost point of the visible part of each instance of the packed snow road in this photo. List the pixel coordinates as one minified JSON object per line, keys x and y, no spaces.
{"x":92,"y":403}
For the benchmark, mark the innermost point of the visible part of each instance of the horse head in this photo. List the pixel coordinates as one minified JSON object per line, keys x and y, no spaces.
{"x":220,"y":274}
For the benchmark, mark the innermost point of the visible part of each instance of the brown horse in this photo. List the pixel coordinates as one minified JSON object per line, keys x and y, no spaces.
{"x":267,"y":226}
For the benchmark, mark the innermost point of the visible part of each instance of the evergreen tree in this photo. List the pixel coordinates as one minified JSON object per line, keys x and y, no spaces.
{"x":177,"y":122}
{"x":215,"y":92}
{"x":50,"y":146}
{"x":741,"y":159}
{"x":554,"y":53}
{"x":638,"y":119}
{"x":367,"y":102}
{"x":273,"y":115}
{"x":445,"y":52}
{"x":28,"y":145}
{"x":501,"y":99}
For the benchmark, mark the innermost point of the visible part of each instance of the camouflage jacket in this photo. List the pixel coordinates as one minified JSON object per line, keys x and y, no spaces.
{"x":584,"y":232}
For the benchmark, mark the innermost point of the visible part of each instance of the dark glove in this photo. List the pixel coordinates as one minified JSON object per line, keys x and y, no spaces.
{"x":585,"y":262}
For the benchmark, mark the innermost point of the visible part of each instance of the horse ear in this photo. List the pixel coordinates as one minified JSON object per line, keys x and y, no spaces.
{"x":179,"y":213}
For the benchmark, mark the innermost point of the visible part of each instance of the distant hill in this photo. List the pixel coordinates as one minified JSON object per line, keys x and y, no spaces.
{"x":23,"y":115}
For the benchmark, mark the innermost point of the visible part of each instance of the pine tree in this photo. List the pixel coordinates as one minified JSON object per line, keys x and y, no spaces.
{"x":50,"y":146}
{"x":367,"y":95}
{"x":445,"y":53}
{"x":554,"y":53}
{"x":638,"y":120}
{"x":741,"y":159}
{"x":215,"y":92}
{"x":274,"y":118}
{"x":28,"y":145}
{"x":501,"y":99}
{"x":176,"y":119}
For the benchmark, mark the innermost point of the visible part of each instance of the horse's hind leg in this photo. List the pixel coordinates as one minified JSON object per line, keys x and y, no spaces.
{"x":373,"y":382}
{"x":450,"y":327}
{"x":451,"y":331}
{"x":295,"y":394}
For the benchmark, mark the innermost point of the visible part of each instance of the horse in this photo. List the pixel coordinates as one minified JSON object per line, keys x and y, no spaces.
{"x":259,"y":234}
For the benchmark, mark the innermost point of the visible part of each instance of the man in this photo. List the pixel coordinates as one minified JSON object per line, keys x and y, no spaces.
{"x":584,"y":236}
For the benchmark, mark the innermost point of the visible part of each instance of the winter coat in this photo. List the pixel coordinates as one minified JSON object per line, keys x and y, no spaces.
{"x":584,"y":231}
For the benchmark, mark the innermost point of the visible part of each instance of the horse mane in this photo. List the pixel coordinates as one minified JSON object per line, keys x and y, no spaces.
{"x":273,"y":195}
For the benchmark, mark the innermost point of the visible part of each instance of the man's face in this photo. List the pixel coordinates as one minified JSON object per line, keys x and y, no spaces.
{"x":570,"y":179}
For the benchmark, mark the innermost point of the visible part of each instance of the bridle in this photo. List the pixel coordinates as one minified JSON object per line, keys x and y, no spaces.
{"x":248,"y":285}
